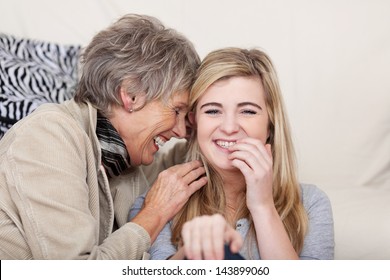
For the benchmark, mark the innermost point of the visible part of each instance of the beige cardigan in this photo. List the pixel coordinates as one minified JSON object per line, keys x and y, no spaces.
{"x":55,"y":199}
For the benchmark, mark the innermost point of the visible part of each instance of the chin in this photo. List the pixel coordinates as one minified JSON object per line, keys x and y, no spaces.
{"x":147,"y":162}
{"x":229,"y":168}
{"x":226,"y":166}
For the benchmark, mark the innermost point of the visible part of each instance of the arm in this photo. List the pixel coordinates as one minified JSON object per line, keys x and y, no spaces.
{"x":319,"y":241}
{"x":52,"y":179}
{"x":255,"y":162}
{"x":271,"y":236}
{"x":162,"y":248}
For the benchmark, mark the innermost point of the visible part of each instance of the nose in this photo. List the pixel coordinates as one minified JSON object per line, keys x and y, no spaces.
{"x":229,"y":124}
{"x":180,"y":128}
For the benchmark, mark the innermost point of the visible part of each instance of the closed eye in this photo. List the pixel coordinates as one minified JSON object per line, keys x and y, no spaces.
{"x":212,"y":111}
{"x":250,"y":108}
{"x":180,"y":110}
{"x":249,"y":112}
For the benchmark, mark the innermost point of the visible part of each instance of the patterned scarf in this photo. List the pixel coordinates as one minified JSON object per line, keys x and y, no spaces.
{"x":115,"y":157}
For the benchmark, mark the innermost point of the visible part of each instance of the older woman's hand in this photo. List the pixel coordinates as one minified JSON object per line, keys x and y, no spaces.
{"x":168,"y":194}
{"x":204,"y":238}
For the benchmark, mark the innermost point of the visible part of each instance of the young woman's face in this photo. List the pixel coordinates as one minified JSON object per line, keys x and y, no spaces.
{"x":146,"y":130}
{"x":230,"y":110}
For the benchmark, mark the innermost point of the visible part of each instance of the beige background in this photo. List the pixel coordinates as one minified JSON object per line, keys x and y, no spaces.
{"x":333,"y":59}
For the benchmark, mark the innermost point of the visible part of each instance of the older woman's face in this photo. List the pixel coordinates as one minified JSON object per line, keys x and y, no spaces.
{"x":228,"y":111}
{"x":146,"y":130}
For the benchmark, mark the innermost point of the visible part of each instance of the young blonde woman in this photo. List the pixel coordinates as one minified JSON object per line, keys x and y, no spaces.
{"x":253,"y":199}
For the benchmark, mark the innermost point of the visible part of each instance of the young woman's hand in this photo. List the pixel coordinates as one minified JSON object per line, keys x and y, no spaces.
{"x":204,"y":237}
{"x":254,"y":159}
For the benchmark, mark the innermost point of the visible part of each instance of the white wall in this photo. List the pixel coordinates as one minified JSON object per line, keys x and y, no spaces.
{"x":332,"y":56}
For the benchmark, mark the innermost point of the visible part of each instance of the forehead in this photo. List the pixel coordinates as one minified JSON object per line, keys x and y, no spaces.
{"x":179,"y":99}
{"x":235,"y":88}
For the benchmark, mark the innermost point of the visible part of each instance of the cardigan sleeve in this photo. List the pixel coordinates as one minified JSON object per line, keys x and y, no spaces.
{"x":51,"y":175}
{"x":162,"y":247}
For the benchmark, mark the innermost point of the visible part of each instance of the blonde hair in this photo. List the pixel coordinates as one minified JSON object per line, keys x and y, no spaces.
{"x":236,"y":62}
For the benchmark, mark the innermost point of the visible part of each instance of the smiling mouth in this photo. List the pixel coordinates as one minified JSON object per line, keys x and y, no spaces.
{"x":159,"y":141}
{"x":225,"y":144}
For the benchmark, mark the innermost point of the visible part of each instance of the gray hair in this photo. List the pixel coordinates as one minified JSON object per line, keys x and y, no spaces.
{"x":142,"y":55}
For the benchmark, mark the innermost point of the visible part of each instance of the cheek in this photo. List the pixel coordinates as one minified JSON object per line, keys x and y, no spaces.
{"x":167,"y":122}
{"x":205,"y":127}
{"x":257,"y":130}
{"x":201,"y":141}
{"x":204,"y":134}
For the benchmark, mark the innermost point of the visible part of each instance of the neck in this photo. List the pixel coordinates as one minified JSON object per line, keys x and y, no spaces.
{"x":234,"y":186}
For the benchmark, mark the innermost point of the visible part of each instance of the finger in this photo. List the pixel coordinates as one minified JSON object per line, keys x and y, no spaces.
{"x":247,"y":157}
{"x":243,"y":167}
{"x":253,"y":145}
{"x":207,"y":244}
{"x":252,"y":154}
{"x":212,"y":236}
{"x":192,"y":239}
{"x":233,"y":238}
{"x":184,"y":168}
{"x":196,"y":247}
{"x":249,"y":163}
{"x":247,"y":151}
{"x":194,"y":174}
{"x":186,"y":235}
{"x":218,"y":236}
{"x":252,"y":170}
{"x":197,"y":184}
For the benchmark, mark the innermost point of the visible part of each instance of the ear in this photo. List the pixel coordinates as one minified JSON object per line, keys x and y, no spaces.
{"x":191,"y":117}
{"x":127,"y":100}
{"x":270,"y":136}
{"x":133,"y":102}
{"x":190,"y":125}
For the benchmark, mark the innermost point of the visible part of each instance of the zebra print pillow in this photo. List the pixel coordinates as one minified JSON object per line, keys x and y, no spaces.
{"x":33,"y":72}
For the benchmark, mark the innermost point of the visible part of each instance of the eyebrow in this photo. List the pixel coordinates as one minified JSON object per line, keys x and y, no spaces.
{"x":182,"y":105}
{"x":239,"y":104}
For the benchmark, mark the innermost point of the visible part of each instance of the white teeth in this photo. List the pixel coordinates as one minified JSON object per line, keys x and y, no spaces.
{"x":225,"y":144}
{"x":159,"y":141}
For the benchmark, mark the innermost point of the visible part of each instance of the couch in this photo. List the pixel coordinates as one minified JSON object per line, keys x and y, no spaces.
{"x":333,"y":61}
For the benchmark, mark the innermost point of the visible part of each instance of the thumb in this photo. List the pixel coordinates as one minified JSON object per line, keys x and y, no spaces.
{"x":234,"y":239}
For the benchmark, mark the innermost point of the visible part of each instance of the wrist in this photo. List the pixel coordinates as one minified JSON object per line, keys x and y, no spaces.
{"x":151,"y":220}
{"x":264,"y":210}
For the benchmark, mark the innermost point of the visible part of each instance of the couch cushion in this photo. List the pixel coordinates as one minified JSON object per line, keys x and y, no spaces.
{"x":33,"y":72}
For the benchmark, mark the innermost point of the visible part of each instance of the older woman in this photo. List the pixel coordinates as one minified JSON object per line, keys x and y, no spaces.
{"x":68,"y":171}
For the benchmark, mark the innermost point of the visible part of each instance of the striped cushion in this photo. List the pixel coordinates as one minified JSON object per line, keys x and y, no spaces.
{"x":33,"y":72}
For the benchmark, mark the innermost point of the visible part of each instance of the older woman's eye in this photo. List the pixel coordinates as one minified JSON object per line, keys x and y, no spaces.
{"x":177,"y":111}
